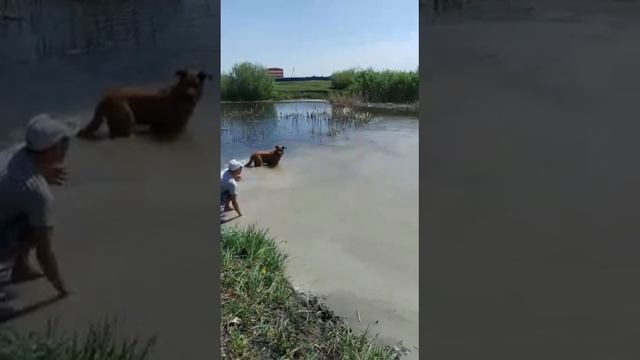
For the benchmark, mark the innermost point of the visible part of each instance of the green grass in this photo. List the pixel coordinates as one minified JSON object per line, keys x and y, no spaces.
{"x":99,"y":343}
{"x":263,"y":317}
{"x":342,"y":79}
{"x":399,"y":87}
{"x":310,"y":89}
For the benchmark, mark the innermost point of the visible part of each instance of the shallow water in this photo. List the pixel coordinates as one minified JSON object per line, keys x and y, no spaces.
{"x":59,"y":57}
{"x":128,"y":203}
{"x":251,"y":126}
{"x":346,"y":210}
{"x":532,"y":234}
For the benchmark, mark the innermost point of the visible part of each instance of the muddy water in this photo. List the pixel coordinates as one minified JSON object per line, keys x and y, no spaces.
{"x":133,"y":223}
{"x":531,"y":248}
{"x":246,"y":127}
{"x":345,"y":207}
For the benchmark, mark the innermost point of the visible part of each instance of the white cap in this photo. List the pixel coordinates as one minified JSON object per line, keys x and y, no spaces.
{"x":234,"y":165}
{"x":43,"y":132}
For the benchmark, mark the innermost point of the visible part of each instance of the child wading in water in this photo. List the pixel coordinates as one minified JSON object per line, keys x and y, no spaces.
{"x":229,"y":186}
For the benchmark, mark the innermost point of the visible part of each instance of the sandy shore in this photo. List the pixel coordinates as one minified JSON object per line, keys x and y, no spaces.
{"x":348,"y":216}
{"x":532,"y":140}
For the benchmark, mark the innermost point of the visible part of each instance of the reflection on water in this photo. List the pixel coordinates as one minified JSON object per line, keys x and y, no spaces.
{"x":248,"y":127}
{"x":257,"y":124}
{"x":60,"y":55}
{"x":37,"y":29}
{"x":260,"y":124}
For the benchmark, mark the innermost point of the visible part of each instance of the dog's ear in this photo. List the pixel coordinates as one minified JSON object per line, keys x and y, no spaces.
{"x":203,"y":75}
{"x":181,"y":74}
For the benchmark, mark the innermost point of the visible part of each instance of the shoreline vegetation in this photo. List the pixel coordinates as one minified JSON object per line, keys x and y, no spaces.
{"x":265,"y":317}
{"x":387,"y":90}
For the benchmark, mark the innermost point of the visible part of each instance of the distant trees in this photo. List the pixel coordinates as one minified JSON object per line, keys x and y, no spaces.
{"x":250,"y":82}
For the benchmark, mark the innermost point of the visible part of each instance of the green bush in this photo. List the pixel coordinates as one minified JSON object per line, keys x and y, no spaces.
{"x":341,"y":80}
{"x":246,"y":82}
{"x":387,"y":86}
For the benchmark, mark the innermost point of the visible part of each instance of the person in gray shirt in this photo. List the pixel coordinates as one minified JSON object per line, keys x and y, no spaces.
{"x":26,"y":215}
{"x":229,"y":186}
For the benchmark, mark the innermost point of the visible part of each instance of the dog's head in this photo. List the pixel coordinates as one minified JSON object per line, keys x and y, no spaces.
{"x":190,"y":84}
{"x":279,"y":150}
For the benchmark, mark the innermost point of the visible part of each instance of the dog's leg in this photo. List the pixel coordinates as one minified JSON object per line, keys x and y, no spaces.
{"x":257,"y":161}
{"x":121,"y":121}
{"x":251,"y":160}
{"x":96,"y":122}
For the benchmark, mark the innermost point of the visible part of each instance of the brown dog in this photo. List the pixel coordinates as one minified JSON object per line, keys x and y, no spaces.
{"x":269,"y":158}
{"x":165,"y":111}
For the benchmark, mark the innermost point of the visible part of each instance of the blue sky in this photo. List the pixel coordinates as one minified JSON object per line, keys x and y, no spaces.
{"x":318,"y":37}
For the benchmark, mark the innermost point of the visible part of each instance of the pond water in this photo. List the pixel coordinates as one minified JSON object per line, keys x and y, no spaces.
{"x":248,"y":127}
{"x":344,"y":203}
{"x":59,"y":56}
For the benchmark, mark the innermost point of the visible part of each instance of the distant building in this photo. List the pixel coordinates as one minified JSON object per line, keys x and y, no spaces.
{"x":276,"y":73}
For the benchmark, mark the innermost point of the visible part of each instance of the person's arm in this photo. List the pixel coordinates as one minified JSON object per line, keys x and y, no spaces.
{"x":38,"y":206}
{"x":41,"y":237}
{"x":234,"y":201}
{"x":55,"y":175}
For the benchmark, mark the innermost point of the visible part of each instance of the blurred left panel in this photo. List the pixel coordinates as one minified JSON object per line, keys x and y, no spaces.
{"x":108,"y":154}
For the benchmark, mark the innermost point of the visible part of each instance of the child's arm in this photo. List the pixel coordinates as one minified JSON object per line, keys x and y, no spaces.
{"x":234,"y":201}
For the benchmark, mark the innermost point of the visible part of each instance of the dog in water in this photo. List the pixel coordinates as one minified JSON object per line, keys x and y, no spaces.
{"x":268,"y":158}
{"x":166,"y":111}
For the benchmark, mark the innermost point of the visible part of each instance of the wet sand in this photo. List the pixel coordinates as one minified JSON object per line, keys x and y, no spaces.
{"x":347,"y":214}
{"x":532,"y":235}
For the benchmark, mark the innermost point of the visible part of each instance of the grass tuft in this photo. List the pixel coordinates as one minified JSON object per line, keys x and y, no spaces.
{"x":305,"y":89}
{"x":99,"y":343}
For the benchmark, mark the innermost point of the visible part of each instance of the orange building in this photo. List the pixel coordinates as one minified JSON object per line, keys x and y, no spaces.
{"x":277,"y":73}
